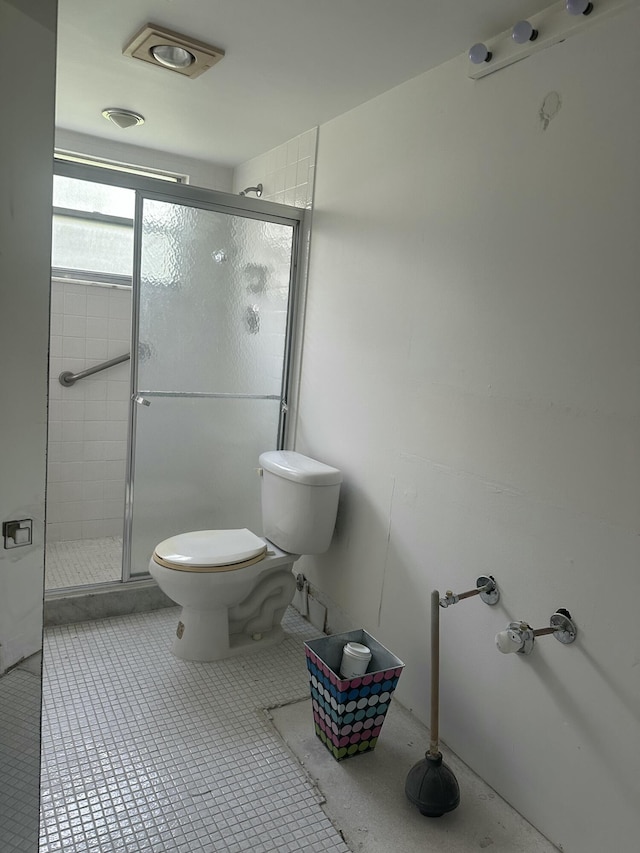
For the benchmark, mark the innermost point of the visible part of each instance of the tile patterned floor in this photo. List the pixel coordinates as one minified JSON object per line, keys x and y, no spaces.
{"x":145,"y":753}
{"x":19,"y":759}
{"x":82,"y":561}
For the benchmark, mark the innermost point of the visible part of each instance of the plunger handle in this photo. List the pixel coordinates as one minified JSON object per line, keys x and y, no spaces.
{"x":434,"y":752}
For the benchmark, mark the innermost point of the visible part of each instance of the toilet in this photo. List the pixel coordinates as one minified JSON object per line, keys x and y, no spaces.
{"x":234,"y":586}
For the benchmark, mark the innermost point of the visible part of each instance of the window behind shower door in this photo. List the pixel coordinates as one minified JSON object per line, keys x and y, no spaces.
{"x":212,"y":312}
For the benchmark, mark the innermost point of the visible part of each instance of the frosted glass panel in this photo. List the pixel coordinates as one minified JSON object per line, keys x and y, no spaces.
{"x":93,"y":198}
{"x":196,"y":461}
{"x":100,"y":237}
{"x":213,"y":301}
{"x":85,"y":244}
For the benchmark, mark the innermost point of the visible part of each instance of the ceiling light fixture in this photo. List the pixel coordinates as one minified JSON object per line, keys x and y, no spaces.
{"x":122,"y":118}
{"x":173,"y":51}
{"x":172,"y":57}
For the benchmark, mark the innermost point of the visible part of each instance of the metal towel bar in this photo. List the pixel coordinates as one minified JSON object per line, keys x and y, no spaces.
{"x":67,"y":378}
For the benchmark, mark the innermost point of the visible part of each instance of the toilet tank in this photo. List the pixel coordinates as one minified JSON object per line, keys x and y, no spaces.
{"x":299,"y":501}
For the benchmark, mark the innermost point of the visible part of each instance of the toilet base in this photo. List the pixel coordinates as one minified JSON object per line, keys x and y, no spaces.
{"x":203,"y":635}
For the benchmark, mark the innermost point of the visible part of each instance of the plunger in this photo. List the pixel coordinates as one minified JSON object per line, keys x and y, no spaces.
{"x":430,"y":784}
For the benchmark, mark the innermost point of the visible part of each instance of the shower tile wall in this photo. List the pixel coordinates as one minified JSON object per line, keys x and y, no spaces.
{"x":87,"y":422}
{"x":286,"y":172}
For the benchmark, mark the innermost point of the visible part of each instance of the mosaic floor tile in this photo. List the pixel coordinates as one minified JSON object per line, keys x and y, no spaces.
{"x":83,"y":561}
{"x":144,"y":752}
{"x":19,"y":760}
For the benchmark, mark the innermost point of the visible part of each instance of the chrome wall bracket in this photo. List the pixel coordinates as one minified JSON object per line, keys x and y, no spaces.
{"x":486,"y":588}
{"x":564,"y":627}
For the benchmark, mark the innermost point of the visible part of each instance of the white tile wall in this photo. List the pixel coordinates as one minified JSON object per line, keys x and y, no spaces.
{"x":286,"y":173}
{"x":87,"y":422}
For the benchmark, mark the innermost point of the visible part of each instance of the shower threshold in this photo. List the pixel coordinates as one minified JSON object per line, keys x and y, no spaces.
{"x":84,"y":582}
{"x":99,"y":601}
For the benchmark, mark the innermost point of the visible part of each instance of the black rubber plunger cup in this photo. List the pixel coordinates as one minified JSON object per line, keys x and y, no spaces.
{"x":430,"y":784}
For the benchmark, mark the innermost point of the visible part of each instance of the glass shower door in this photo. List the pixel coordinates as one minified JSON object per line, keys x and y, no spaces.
{"x":213,"y":318}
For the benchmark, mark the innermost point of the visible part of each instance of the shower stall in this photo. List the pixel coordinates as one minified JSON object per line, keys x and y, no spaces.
{"x":169,"y":372}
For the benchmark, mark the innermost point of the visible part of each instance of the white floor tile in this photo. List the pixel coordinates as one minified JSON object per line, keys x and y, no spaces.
{"x":83,"y":561}
{"x":143,"y":752}
{"x":19,"y":757}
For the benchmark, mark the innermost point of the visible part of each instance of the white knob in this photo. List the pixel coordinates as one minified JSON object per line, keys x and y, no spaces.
{"x":509,"y":641}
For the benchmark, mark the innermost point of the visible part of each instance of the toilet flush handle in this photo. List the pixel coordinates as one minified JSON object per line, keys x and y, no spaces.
{"x":259,"y":472}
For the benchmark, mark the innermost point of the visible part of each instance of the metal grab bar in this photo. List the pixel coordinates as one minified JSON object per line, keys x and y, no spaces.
{"x":67,"y":378}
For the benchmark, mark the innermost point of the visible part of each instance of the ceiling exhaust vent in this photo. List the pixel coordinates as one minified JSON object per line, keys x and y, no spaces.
{"x":172,"y":51}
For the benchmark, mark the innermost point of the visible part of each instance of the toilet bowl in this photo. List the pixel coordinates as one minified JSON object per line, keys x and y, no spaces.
{"x":235,"y":586}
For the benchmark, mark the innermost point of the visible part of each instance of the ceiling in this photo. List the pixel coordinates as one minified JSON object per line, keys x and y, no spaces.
{"x":289,"y":64}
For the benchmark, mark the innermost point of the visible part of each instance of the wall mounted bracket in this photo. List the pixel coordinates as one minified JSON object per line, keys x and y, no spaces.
{"x":564,"y":629}
{"x":486,"y":588}
{"x":519,"y":637}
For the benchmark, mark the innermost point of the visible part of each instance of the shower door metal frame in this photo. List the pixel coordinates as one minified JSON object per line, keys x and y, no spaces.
{"x":205,"y":199}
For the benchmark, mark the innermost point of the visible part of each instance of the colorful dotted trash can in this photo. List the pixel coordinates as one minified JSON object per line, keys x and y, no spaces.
{"x":348,"y":713}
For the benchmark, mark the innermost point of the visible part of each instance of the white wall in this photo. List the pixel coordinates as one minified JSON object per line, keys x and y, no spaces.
{"x":472,"y":363}
{"x":200,"y":173}
{"x":25,"y":251}
{"x":89,"y":421}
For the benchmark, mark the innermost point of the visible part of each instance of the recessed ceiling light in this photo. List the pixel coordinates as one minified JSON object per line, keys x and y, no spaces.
{"x":173,"y":51}
{"x":172,"y":57}
{"x":122,"y":118}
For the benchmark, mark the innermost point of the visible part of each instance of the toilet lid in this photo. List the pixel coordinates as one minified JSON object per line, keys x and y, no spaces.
{"x":211,"y":550}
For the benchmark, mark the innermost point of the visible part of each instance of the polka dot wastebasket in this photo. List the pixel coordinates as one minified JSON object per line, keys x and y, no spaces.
{"x":348,"y":713}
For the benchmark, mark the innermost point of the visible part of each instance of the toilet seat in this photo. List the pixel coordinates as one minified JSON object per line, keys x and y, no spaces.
{"x":211,"y":550}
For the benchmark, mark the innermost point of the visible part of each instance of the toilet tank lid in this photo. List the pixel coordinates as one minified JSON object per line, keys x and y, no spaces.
{"x":301,"y":469}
